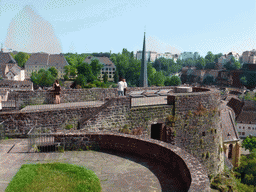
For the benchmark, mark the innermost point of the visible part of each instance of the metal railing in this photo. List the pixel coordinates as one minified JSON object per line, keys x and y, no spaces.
{"x":41,"y":139}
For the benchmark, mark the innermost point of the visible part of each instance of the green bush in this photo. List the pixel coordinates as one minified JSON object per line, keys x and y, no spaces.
{"x":68,"y":127}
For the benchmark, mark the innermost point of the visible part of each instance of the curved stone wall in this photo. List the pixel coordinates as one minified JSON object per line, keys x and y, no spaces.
{"x":190,"y":171}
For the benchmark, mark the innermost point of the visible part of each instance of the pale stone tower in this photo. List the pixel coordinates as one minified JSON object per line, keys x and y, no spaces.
{"x":143,"y":73}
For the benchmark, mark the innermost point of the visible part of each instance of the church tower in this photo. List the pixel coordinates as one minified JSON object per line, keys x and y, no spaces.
{"x":143,"y":73}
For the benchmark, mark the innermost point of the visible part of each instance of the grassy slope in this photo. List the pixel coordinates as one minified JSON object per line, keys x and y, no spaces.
{"x":54,"y":177}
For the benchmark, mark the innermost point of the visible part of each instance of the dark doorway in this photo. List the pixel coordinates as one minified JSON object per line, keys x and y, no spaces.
{"x":156,"y":131}
{"x":230,"y":151}
{"x":47,"y":148}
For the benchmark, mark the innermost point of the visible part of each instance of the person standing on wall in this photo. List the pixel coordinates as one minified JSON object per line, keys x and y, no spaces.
{"x":125,"y":87}
{"x":120,"y":87}
{"x":57,"y":89}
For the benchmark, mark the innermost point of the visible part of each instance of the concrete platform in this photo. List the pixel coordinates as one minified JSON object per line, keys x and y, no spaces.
{"x":116,"y":171}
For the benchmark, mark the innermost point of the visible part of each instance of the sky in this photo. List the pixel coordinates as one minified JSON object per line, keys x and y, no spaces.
{"x":87,"y":26}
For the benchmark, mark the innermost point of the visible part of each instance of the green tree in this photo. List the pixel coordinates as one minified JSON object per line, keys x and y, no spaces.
{"x":158,"y":78}
{"x":116,"y":77}
{"x":249,"y":143}
{"x":21,"y":58}
{"x":53,"y":71}
{"x":200,"y":63}
{"x":172,"y":81}
{"x":80,"y":80}
{"x":217,"y":56}
{"x":42,"y":78}
{"x":86,"y":70}
{"x":105,"y":78}
{"x":96,"y":67}
{"x":209,"y":79}
{"x":209,"y":58}
{"x":232,"y":64}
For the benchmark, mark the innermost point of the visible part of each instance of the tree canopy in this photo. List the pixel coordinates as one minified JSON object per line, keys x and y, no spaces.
{"x":249,"y":143}
{"x":43,"y":78}
{"x":21,"y":58}
{"x":172,"y":81}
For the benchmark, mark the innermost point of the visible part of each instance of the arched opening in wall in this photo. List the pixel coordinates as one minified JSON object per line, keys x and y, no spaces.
{"x":156,"y":130}
{"x":230,"y":151}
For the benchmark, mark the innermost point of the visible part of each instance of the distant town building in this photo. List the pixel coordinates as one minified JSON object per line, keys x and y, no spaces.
{"x":249,"y":57}
{"x":168,"y":55}
{"x":227,"y":57}
{"x":9,"y":70}
{"x":189,"y":55}
{"x":108,"y":66}
{"x":150,"y":55}
{"x":246,"y":120}
{"x":39,"y":61}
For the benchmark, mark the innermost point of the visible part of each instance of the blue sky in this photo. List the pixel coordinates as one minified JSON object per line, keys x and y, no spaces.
{"x":100,"y":26}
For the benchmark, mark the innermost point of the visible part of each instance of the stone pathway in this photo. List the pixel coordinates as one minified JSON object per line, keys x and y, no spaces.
{"x":62,"y":106}
{"x":116,"y":171}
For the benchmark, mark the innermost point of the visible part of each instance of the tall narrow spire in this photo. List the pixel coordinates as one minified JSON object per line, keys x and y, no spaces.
{"x":143,"y":73}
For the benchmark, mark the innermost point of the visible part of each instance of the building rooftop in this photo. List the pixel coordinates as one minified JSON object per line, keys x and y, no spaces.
{"x":229,"y":132}
{"x":6,"y":58}
{"x":104,"y":60}
{"x":47,"y":59}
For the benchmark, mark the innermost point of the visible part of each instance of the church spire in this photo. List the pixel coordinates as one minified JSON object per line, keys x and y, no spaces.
{"x":143,"y":73}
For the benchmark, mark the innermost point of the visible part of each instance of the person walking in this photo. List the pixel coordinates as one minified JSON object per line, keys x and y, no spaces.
{"x":120,"y":87}
{"x":56,"y":90}
{"x":125,"y":87}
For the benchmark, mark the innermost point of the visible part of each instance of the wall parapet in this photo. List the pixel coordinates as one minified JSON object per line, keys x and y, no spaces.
{"x":187,"y":167}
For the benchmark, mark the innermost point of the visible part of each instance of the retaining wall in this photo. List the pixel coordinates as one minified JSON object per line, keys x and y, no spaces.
{"x":188,"y":170}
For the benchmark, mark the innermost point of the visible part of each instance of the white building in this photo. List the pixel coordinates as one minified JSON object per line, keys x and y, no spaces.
{"x":150,"y":55}
{"x":246,"y":120}
{"x":15,"y":73}
{"x":189,"y":55}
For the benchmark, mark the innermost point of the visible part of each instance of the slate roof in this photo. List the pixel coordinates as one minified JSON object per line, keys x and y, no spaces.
{"x":247,"y":117}
{"x":15,"y":69}
{"x":236,"y":105}
{"x":229,"y":132}
{"x":6,"y":58}
{"x":104,"y":60}
{"x":3,"y":67}
{"x":47,"y":59}
{"x":249,"y":106}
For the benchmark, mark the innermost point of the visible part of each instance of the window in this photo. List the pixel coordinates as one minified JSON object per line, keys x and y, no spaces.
{"x":109,"y":76}
{"x":249,"y":127}
{"x":239,"y":127}
{"x":239,"y":133}
{"x":243,"y":127}
{"x":230,"y":151}
{"x":253,"y":128}
{"x":106,"y":68}
{"x":243,"y":133}
{"x":203,"y":133}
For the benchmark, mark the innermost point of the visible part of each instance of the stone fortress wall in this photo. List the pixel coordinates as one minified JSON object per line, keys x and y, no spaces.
{"x":194,"y":117}
{"x":71,"y":95}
